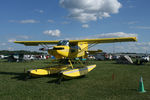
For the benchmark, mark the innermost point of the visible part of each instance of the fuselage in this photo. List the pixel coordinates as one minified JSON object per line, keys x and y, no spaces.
{"x":66,"y":50}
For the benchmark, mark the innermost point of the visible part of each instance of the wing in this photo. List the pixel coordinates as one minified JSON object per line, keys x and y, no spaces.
{"x":35,"y":43}
{"x":89,"y":41}
{"x":106,"y":40}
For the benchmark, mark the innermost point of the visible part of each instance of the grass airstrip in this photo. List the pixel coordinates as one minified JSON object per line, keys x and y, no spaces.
{"x":108,"y":81}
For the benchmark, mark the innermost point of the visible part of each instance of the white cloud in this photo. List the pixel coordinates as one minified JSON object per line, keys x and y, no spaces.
{"x":12,"y":21}
{"x":55,"y":33}
{"x":10,"y":48}
{"x":141,"y":27}
{"x":143,"y":44}
{"x":116,"y":34}
{"x":39,"y":11}
{"x":132,"y":22}
{"x":11,"y":40}
{"x":91,"y":10}
{"x":129,"y":1}
{"x":23,"y":37}
{"x":3,"y":44}
{"x":132,"y":6}
{"x":28,"y":21}
{"x":106,"y":35}
{"x":18,"y":37}
{"x":132,"y":47}
{"x":140,"y":46}
{"x":51,"y":21}
{"x":85,"y":25}
{"x":65,"y":22}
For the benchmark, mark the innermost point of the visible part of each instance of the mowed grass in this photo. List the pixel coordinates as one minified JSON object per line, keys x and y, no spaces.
{"x":96,"y":85}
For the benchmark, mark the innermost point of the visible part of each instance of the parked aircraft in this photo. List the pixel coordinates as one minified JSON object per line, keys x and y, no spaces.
{"x":68,"y":50}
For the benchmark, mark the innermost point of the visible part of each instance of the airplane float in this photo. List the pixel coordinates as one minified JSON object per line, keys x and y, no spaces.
{"x":68,"y":50}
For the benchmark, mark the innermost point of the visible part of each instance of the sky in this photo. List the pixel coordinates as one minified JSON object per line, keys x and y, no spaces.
{"x":26,"y":20}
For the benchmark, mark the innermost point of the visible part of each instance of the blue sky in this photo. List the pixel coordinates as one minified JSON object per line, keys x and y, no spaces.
{"x":75,"y":19}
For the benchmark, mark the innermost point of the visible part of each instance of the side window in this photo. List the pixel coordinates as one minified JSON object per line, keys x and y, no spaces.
{"x":67,"y":44}
{"x":63,"y":42}
{"x":75,"y":47}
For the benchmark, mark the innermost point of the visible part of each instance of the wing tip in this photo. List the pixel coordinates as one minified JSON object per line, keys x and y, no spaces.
{"x":15,"y":41}
{"x":135,"y":39}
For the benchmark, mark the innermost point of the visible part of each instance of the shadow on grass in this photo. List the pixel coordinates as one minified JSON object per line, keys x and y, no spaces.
{"x":25,"y":76}
{"x":10,"y":73}
{"x":18,"y":76}
{"x":59,"y":79}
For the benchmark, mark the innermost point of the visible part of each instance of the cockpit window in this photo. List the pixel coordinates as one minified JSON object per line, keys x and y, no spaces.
{"x":63,"y":42}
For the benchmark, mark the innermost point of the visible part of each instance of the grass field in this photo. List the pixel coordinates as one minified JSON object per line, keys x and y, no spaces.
{"x":97,"y":85}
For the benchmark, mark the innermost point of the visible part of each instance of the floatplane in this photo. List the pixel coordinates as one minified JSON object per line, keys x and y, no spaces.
{"x":68,"y":50}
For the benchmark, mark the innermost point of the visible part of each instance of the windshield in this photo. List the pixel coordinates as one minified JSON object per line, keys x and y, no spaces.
{"x":63,"y":42}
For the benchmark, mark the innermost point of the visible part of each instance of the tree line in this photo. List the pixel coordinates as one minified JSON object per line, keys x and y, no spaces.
{"x":7,"y":52}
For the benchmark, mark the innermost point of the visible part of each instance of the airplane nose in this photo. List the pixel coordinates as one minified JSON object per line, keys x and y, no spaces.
{"x":58,"y":48}
{"x":58,"y":51}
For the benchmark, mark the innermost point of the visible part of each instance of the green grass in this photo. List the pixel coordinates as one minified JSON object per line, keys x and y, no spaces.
{"x":97,"y":85}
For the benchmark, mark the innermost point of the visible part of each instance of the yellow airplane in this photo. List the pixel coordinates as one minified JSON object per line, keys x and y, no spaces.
{"x":70,"y":49}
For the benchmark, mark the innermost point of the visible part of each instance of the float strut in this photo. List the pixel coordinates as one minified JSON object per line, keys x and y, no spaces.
{"x":70,"y":63}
